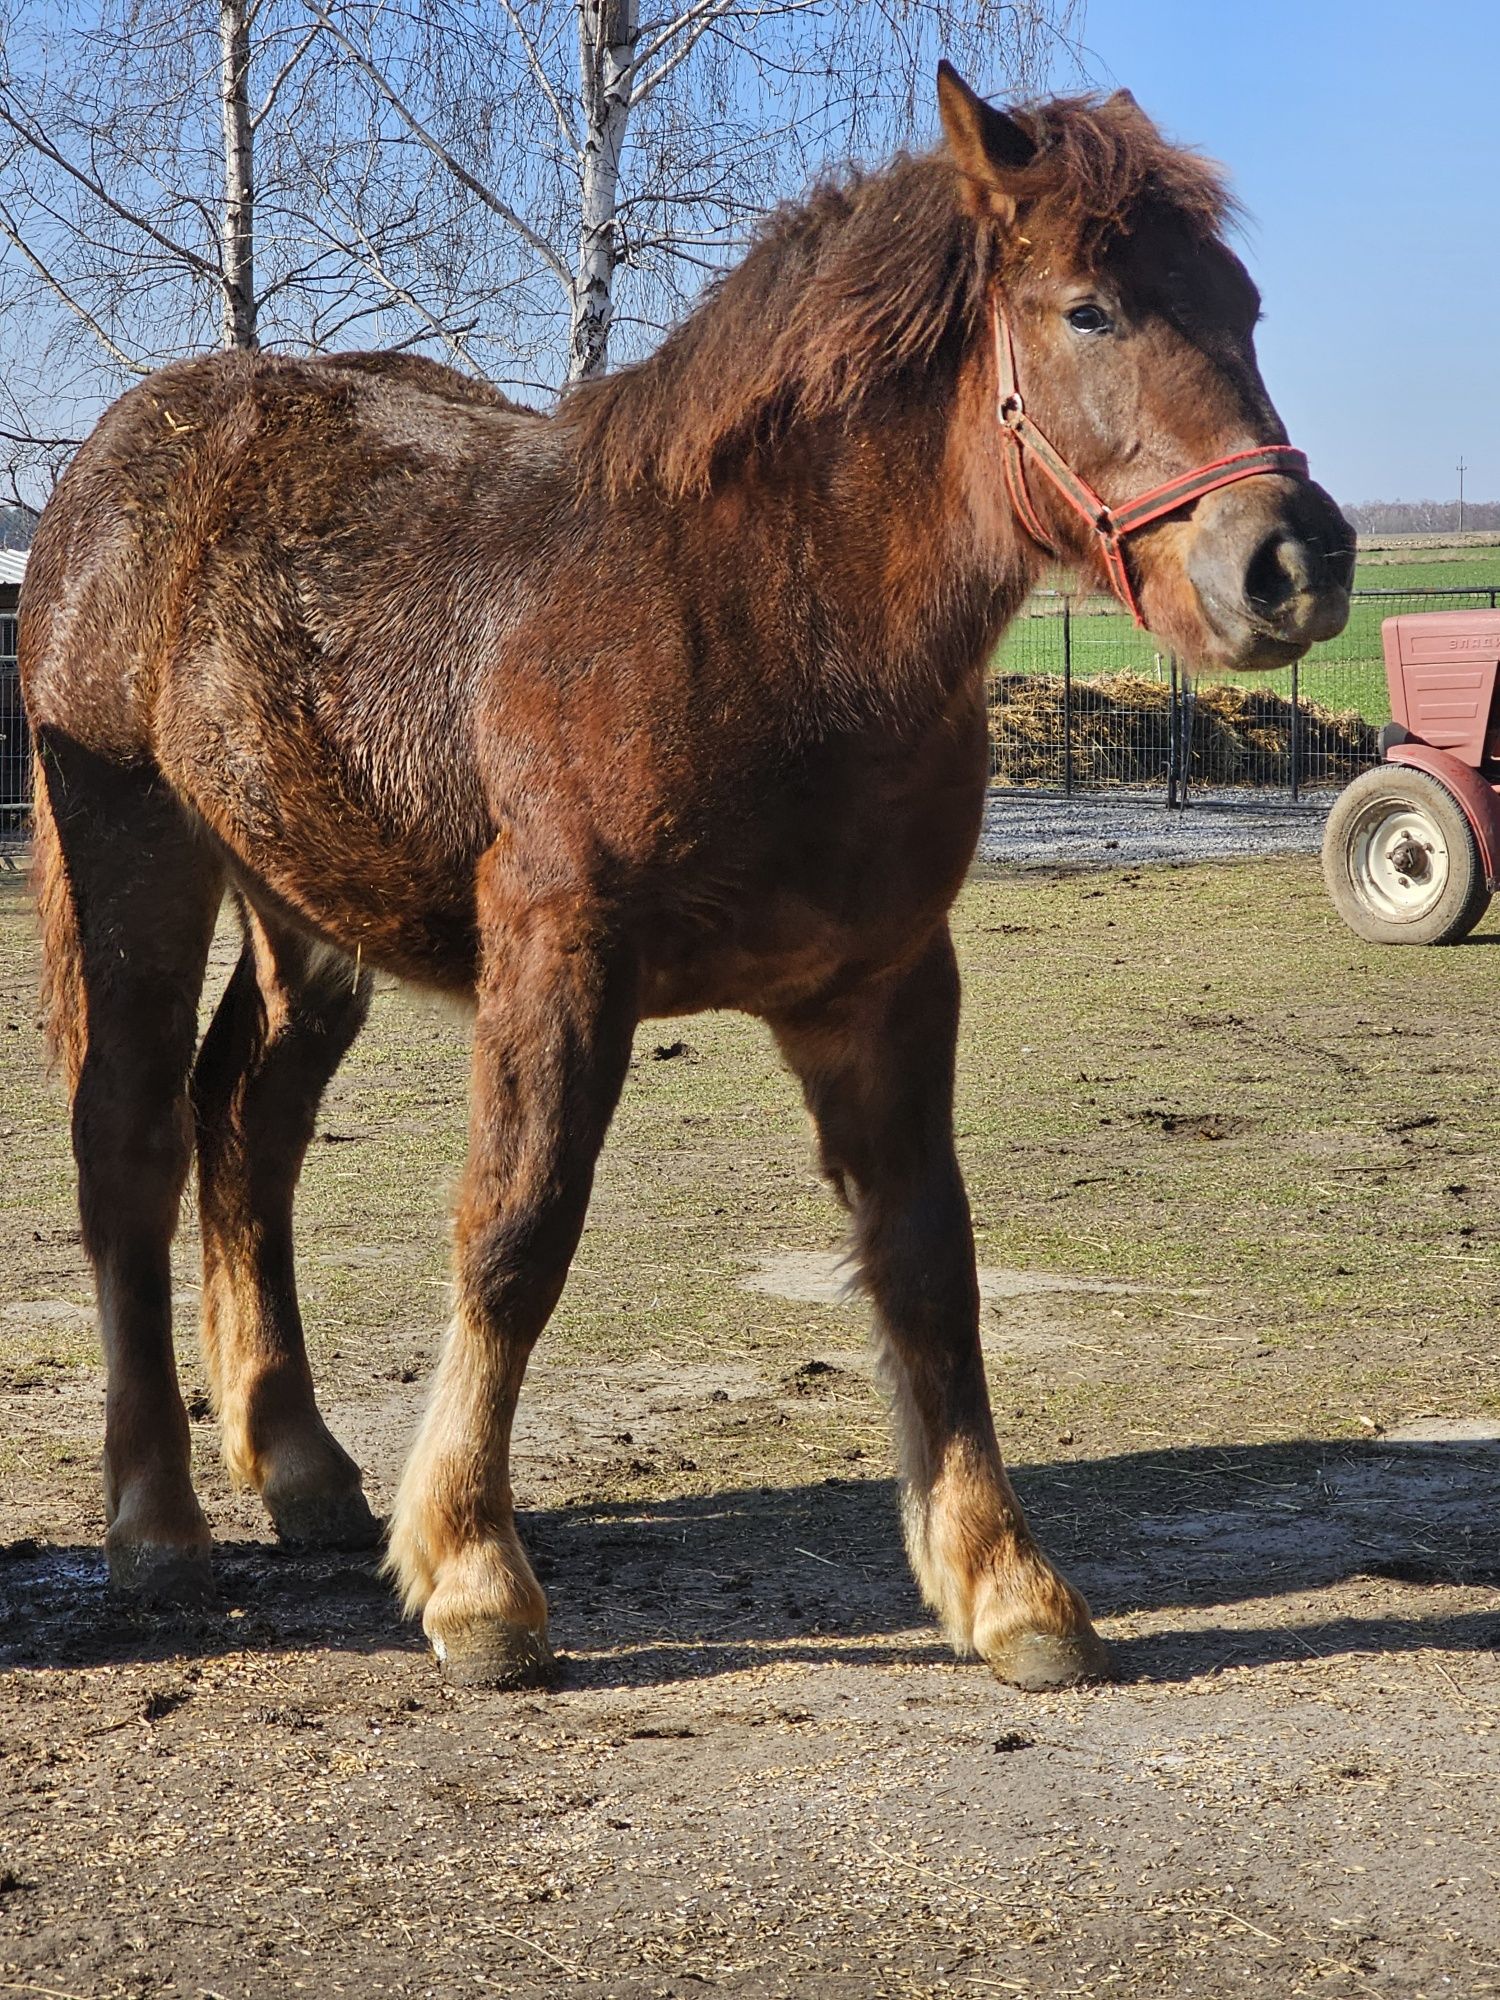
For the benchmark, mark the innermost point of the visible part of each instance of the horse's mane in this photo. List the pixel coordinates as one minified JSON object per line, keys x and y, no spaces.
{"x":863,"y":279}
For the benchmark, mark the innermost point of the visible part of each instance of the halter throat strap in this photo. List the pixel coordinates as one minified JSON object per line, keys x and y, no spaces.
{"x":1023,"y":438}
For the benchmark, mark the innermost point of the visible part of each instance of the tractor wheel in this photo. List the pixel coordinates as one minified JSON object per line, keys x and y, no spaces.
{"x":1401,"y":861}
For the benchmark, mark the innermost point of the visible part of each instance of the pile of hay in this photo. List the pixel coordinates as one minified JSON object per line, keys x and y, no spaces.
{"x":1122,"y":725}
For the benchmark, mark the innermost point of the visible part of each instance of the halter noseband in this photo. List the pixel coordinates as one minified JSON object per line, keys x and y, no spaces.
{"x":1110,"y":524}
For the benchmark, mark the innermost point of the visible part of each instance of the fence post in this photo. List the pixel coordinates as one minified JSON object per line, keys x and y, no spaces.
{"x":1172,"y":736}
{"x":1296,"y":742}
{"x":1185,"y":732}
{"x":1067,"y":697}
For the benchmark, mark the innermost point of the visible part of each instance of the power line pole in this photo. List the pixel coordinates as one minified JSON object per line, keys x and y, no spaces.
{"x":1462,"y":469}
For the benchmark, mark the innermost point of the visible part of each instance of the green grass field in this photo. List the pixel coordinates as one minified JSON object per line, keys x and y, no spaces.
{"x":1478,"y":569}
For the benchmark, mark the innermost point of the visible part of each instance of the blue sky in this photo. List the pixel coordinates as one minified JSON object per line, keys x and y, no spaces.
{"x":1364,"y":139}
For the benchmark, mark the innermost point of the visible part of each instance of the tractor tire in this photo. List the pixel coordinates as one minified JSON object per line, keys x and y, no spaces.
{"x":1401,"y":861}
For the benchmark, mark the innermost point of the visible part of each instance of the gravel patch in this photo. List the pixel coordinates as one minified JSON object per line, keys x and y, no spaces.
{"x":1119,"y":829}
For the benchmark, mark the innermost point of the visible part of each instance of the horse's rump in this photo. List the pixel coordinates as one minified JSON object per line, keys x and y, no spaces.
{"x":264,"y":578}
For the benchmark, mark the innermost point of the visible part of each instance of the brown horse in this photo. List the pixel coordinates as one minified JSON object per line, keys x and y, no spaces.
{"x":671,"y":700}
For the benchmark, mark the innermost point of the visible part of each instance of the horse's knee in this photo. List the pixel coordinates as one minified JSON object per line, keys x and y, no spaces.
{"x":512,"y":1267}
{"x":132,"y":1140}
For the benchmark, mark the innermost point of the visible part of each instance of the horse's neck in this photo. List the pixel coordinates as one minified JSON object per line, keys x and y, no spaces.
{"x":915,"y":562}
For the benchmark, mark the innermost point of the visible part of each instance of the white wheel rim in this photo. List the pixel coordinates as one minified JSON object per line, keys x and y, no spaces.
{"x":1399,"y":860}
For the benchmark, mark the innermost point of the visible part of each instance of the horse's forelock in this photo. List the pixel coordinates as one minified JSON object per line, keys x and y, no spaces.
{"x":1102,"y":163}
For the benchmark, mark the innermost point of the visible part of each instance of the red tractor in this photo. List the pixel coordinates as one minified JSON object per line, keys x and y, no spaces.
{"x":1411,"y":854}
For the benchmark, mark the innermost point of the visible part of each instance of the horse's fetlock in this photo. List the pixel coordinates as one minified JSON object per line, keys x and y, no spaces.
{"x":994,"y":1592}
{"x":157,"y":1542}
{"x":408,"y":1561}
{"x":463,"y":1587}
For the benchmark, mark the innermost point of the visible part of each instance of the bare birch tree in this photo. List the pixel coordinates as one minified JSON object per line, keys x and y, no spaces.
{"x":151,"y":201}
{"x":525,"y":187}
{"x":598,"y":160}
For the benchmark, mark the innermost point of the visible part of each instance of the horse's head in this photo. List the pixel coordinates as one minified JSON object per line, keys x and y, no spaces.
{"x":1124,"y":359}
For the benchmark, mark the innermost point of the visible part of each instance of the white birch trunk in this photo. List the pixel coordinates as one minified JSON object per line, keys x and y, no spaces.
{"x":607,"y":33}
{"x":237,"y":251}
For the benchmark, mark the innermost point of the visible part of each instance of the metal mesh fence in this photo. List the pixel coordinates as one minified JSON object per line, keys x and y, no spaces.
{"x":15,"y":738}
{"x":1080,"y":698}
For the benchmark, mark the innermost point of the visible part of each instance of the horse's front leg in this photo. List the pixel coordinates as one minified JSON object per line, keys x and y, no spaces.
{"x":877,"y":1071}
{"x":556,"y":1011}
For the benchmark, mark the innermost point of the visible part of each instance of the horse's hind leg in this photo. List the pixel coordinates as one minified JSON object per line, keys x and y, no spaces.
{"x":287,"y":1017}
{"x":128,"y":896}
{"x":877,"y":1070}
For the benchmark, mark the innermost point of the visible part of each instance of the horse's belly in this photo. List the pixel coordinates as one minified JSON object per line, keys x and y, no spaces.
{"x":391,"y":886}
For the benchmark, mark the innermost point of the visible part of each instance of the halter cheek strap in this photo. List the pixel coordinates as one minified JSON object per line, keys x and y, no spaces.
{"x":1022,"y":437}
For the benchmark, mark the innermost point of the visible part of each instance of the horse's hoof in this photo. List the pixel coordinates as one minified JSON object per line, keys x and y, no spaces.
{"x":1039,"y":1661}
{"x":161,"y":1573}
{"x":325,"y":1521}
{"x":495,"y":1655}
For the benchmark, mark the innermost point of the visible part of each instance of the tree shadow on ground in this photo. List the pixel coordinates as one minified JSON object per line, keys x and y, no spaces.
{"x":676,"y":1589}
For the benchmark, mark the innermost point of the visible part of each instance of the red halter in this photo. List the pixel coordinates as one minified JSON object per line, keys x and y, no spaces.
{"x":1110,"y":524}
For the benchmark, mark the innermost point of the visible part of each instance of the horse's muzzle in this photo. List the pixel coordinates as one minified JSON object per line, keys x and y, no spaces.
{"x":1272,"y":564}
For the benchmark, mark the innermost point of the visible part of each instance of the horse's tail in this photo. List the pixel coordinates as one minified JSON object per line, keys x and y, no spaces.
{"x":63,"y":1009}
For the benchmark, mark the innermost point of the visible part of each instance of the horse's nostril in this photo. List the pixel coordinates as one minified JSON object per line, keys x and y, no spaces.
{"x":1280,"y":568}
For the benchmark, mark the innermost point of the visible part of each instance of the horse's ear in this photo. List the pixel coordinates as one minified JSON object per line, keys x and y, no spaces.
{"x":984,"y":142}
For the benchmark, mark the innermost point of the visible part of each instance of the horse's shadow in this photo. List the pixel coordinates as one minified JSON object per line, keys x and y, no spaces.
{"x":686,"y":1588}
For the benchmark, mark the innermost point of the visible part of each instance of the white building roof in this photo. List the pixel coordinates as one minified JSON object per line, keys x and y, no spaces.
{"x":12,"y":565}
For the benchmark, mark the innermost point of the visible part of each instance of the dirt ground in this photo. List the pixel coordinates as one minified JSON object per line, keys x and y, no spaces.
{"x":1237,"y":1190}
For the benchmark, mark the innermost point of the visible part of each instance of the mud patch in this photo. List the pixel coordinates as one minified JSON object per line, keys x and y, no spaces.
{"x":1194,"y":1124}
{"x":630,"y":1407}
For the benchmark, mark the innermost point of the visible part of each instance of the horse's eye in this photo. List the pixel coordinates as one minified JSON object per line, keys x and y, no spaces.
{"x":1088,"y":319}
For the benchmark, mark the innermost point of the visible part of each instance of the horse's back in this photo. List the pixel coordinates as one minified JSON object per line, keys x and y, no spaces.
{"x":431,"y":378}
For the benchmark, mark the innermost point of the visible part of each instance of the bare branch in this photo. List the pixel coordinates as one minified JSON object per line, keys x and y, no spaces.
{"x":40,"y":144}
{"x":38,"y":443}
{"x":544,"y":82}
{"x":692,"y":24}
{"x":273,"y":89}
{"x":404,"y":295}
{"x":440,"y":152}
{"x":64,"y":297}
